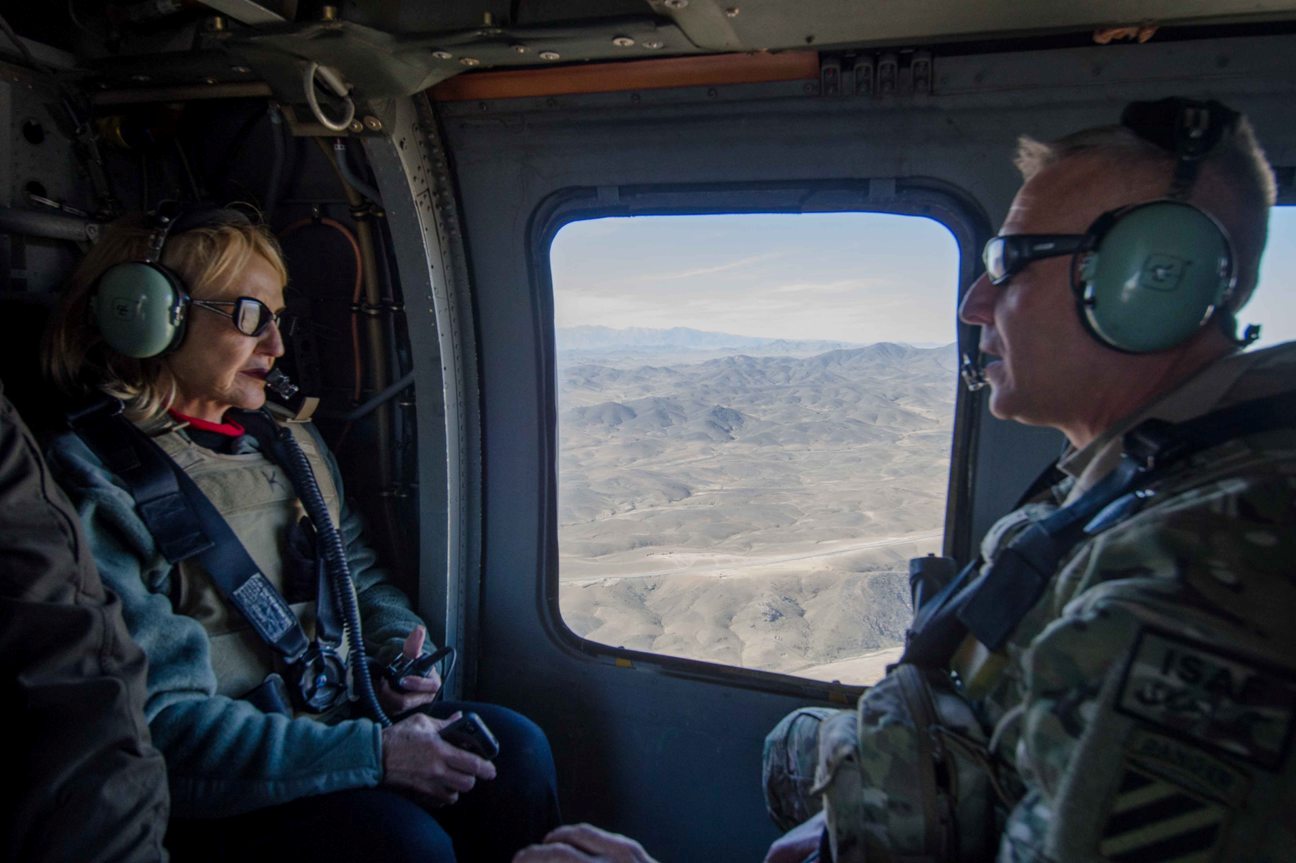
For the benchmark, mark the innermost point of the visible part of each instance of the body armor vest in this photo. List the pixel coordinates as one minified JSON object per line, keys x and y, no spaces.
{"x":256,"y":498}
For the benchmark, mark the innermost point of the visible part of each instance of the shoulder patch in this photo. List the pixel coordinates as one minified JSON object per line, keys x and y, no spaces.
{"x":1210,"y":697}
{"x":1151,"y":819}
{"x":1189,"y":766}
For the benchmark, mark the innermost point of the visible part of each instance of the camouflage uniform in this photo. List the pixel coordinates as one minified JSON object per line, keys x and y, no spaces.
{"x":1143,"y":709}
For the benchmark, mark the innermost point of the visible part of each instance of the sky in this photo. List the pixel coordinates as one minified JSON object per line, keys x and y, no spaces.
{"x":853,"y":277}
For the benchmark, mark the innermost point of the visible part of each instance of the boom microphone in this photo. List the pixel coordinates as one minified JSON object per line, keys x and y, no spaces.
{"x":973,"y":373}
{"x":279,"y":383}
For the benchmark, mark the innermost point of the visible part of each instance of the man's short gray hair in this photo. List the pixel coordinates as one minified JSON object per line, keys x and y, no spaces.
{"x":1241,"y":195}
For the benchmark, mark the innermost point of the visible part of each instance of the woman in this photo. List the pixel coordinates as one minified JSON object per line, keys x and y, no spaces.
{"x":324,"y":781}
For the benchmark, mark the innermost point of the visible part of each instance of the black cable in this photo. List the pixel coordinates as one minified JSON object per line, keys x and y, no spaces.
{"x":329,"y":543}
{"x":273,"y":185}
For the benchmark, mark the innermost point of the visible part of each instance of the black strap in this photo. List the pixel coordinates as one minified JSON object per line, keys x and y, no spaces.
{"x":185,"y":524}
{"x":991,"y":605}
{"x":233,"y":572}
{"x":147,"y":472}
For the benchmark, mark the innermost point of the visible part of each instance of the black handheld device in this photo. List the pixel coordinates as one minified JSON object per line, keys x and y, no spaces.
{"x":469,"y":733}
{"x":403,"y":666}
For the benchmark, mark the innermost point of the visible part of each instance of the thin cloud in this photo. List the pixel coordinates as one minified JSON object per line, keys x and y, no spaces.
{"x":680,"y":275}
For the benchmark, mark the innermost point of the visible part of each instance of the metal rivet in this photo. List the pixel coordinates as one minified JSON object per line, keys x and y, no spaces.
{"x":550,"y":55}
{"x":622,"y":41}
{"x":469,"y":61}
{"x":653,"y":45}
{"x":356,"y":126}
{"x":242,"y":70}
{"x":675,"y":4}
{"x":443,"y":55}
{"x":372,"y":123}
{"x":520,"y":49}
{"x":209,"y":80}
{"x":732,"y":12}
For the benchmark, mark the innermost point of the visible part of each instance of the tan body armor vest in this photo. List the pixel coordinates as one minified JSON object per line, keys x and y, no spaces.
{"x":256,"y":498}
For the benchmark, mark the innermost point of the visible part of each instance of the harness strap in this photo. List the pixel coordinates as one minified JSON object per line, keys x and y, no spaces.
{"x":185,"y":524}
{"x":991,"y":605}
{"x":148,"y":474}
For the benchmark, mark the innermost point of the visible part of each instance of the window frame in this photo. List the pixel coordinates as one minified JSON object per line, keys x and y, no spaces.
{"x":922,"y":197}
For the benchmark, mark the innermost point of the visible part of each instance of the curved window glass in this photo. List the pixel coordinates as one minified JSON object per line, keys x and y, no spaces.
{"x":755,"y":419}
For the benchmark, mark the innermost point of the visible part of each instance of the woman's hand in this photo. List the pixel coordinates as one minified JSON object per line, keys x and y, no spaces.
{"x":417,"y":759}
{"x":421,"y":690}
{"x":584,"y":843}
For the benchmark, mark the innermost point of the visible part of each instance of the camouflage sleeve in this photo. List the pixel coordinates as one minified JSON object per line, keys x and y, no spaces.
{"x":788,"y":763}
{"x":1159,"y":704}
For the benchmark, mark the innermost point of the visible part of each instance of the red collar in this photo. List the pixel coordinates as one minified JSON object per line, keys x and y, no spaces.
{"x":229,"y":429}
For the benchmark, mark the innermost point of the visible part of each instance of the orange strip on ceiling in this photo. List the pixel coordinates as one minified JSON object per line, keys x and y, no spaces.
{"x":636,"y":75}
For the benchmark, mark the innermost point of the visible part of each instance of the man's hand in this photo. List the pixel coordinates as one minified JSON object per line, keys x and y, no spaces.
{"x":417,"y":759}
{"x":798,"y":843}
{"x":421,"y":689}
{"x":584,"y":843}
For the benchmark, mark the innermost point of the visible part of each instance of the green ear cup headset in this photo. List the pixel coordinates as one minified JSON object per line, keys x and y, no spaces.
{"x":141,"y":307}
{"x":1157,"y":272}
{"x":1153,"y":274}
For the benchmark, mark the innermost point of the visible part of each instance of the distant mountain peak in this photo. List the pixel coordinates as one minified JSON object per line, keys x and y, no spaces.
{"x":608,"y":339}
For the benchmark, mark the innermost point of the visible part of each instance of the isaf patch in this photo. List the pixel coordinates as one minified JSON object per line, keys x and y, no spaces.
{"x":1213,"y":698}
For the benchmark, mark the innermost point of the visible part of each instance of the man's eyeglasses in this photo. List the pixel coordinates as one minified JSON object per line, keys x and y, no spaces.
{"x":1005,"y":257}
{"x":251,"y":317}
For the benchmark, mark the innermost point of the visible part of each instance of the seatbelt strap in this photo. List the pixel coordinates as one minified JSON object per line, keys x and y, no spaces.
{"x":185,"y":524}
{"x":991,"y":605}
{"x":233,"y":572}
{"x":329,"y":618}
{"x":148,"y":474}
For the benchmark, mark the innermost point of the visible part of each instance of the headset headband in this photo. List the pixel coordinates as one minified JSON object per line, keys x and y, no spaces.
{"x":1186,"y":127}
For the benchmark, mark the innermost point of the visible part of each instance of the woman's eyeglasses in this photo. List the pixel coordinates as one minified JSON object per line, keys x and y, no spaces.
{"x":251,"y":317}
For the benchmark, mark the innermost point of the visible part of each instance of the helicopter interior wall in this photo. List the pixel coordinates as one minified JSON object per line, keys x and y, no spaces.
{"x":669,"y":752}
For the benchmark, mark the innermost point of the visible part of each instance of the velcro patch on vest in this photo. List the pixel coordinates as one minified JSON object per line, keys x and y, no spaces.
{"x":1153,"y":820}
{"x":1210,"y":697}
{"x":264,"y":608}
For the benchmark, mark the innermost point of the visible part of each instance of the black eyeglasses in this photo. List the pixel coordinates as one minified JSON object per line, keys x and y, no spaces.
{"x":1005,"y":257}
{"x":251,"y":317}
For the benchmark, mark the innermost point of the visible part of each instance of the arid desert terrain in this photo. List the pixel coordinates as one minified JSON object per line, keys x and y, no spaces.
{"x":749,"y":501}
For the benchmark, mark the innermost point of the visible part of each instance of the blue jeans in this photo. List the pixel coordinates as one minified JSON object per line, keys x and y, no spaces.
{"x":487,"y":824}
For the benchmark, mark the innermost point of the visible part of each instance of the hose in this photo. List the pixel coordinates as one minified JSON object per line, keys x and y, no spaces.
{"x":329,"y":544}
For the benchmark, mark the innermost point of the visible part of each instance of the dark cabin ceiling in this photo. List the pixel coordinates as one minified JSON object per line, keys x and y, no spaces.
{"x":384,"y":48}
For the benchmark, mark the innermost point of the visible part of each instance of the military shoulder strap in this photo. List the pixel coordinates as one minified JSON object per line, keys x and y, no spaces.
{"x":185,"y":524}
{"x":989,"y":605}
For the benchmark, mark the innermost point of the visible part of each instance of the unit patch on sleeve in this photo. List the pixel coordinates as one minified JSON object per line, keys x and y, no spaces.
{"x":1152,"y":820}
{"x":1211,"y":697}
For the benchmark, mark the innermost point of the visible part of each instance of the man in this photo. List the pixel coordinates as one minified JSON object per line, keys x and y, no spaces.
{"x":1140,"y":703}
{"x":83,"y":781}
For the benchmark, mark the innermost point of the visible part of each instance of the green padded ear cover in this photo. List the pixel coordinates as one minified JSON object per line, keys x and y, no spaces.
{"x":140,"y":309}
{"x":1156,"y":274}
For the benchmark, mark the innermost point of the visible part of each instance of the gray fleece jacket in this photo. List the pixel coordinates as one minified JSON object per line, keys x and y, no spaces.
{"x":224,"y":756}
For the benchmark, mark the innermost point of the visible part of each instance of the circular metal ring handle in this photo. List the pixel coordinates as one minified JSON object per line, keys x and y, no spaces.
{"x":335,"y":83}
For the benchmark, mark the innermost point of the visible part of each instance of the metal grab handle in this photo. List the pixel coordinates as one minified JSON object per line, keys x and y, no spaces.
{"x":335,"y":83}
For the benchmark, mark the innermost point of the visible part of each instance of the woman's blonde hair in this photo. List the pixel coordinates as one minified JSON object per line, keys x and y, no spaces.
{"x":208,"y":261}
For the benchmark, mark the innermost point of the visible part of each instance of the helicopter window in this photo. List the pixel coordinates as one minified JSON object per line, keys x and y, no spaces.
{"x":1272,"y":307}
{"x":754,"y":420}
